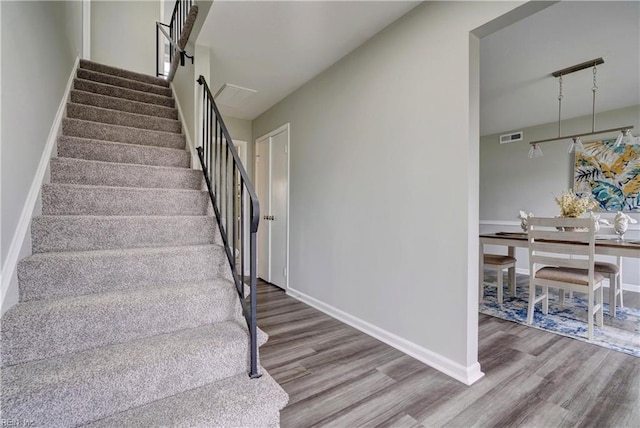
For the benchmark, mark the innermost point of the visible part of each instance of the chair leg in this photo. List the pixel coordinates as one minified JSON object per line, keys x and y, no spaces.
{"x":545,"y":301}
{"x":600,"y":303}
{"x":532,"y":300}
{"x":619,"y":288}
{"x":561,"y":297}
{"x":512,"y":282}
{"x":613,"y":291}
{"x":590,"y":316}
{"x":500,"y":272}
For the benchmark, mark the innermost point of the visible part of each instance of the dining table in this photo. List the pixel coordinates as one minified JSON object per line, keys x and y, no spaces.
{"x":609,"y":246}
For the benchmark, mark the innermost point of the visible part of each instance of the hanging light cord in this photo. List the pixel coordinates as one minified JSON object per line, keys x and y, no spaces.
{"x":560,"y":106}
{"x":593,"y":108}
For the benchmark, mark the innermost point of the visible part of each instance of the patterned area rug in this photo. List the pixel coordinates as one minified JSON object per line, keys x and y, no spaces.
{"x":621,"y":333}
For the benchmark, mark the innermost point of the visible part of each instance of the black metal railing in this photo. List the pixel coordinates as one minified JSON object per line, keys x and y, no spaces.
{"x":236,"y":208}
{"x":179,"y":16}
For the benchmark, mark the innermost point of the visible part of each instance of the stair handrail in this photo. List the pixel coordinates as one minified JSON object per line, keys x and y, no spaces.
{"x":176,"y":24}
{"x":214,"y":160}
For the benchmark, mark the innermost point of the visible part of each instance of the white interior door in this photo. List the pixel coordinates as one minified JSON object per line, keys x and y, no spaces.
{"x":279,"y":194}
{"x":272,"y":186}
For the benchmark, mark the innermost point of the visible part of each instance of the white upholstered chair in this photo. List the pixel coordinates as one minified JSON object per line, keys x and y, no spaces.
{"x":564,"y":259}
{"x":499,"y":263}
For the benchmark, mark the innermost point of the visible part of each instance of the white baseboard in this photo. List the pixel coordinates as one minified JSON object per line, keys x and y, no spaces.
{"x":466,"y":375}
{"x":11,"y":262}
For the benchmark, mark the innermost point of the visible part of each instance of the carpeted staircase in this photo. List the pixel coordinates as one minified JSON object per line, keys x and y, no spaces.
{"x":128,"y":315}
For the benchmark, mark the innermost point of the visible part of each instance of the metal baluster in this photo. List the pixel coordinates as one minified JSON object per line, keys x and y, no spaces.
{"x":226,"y":187}
{"x":234,"y":192}
{"x":254,"y":344}
{"x":205,"y":132}
{"x":211,"y":148}
{"x":216,"y":151}
{"x":242,"y":233}
{"x":219,"y":136}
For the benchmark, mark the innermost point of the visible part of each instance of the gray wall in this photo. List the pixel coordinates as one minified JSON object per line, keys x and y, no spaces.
{"x":184,"y":86}
{"x":240,"y":129}
{"x":123,"y":34}
{"x":40,"y":41}
{"x":384,"y":178}
{"x":510,"y":181}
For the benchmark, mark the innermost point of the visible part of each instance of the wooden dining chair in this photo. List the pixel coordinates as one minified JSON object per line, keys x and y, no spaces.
{"x":499,"y":263}
{"x":561,"y":256}
{"x":611,"y":271}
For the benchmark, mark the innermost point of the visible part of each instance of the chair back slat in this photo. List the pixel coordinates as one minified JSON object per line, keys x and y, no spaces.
{"x":560,"y":261}
{"x":574,"y":249}
{"x":562,"y":235}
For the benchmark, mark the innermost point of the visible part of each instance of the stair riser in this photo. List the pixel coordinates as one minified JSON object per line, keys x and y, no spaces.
{"x":71,"y":401}
{"x":90,"y":233}
{"x":132,"y":75}
{"x":75,"y":200}
{"x":123,"y":83}
{"x":88,"y":98}
{"x":49,"y":330}
{"x":81,"y":148}
{"x":233,"y":402}
{"x":121,"y":134}
{"x":118,"y":92}
{"x":73,"y":171}
{"x":116,"y":117}
{"x":74,"y":274}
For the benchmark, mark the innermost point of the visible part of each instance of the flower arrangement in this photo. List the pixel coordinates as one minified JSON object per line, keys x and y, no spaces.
{"x":572,"y":205}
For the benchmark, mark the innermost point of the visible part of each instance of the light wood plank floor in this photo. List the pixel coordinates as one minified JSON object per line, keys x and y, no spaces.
{"x":337,"y":376}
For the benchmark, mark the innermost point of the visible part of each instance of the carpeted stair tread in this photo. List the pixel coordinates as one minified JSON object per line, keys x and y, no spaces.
{"x":121,"y":134}
{"x":117,"y":91}
{"x":108,"y":151}
{"x":76,"y":199}
{"x":45,"y":328}
{"x":112,"y":80}
{"x":120,"y":72}
{"x":98,"y":173}
{"x":90,"y":233}
{"x":114,"y":103}
{"x":77,"y":388}
{"x":237,"y":401}
{"x":122,"y":118}
{"x":74,"y":273}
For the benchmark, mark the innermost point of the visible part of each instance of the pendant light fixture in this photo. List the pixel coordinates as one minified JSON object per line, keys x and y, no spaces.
{"x":624,"y":137}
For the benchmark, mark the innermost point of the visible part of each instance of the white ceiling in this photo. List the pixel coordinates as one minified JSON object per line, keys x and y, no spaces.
{"x":516,"y":86}
{"x":276,"y":47}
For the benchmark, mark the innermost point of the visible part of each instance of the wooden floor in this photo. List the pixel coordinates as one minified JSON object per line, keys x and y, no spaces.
{"x":337,"y":376}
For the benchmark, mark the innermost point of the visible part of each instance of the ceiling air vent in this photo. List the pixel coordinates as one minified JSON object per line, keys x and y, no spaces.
{"x":511,"y":138}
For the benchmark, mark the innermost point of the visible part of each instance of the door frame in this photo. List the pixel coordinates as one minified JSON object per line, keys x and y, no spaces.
{"x":286,"y":127}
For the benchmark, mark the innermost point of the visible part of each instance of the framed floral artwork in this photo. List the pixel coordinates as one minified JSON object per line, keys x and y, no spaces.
{"x":611,"y":174}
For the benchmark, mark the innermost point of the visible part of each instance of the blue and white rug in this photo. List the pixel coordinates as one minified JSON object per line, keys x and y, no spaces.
{"x":621,"y":333}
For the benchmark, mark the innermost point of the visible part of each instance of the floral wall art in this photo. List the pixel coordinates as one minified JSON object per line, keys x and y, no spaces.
{"x":611,"y":174}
